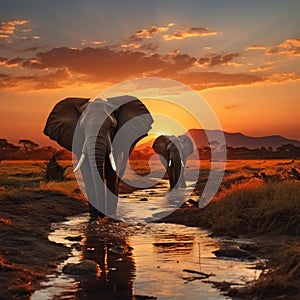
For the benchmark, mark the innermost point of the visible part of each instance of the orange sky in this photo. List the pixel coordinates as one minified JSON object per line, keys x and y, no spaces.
{"x":247,"y":70}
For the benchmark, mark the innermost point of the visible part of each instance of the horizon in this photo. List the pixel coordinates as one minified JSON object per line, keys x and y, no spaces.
{"x":150,"y":137}
{"x":229,"y":53}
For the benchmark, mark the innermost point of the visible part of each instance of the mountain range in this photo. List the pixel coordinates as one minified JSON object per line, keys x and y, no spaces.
{"x":235,"y":140}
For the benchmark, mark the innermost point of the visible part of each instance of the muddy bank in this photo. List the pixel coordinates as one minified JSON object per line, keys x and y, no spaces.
{"x":26,"y":254}
{"x":268,"y":214}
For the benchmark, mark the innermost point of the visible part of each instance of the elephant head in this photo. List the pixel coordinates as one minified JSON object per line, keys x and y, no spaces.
{"x":89,"y":129}
{"x":173,"y":152}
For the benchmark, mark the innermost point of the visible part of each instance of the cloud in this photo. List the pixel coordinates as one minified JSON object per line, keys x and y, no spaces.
{"x":9,"y":27}
{"x":282,"y":77}
{"x":3,"y":60}
{"x":231,"y":107}
{"x":183,"y":33}
{"x":98,"y":63}
{"x":289,"y":47}
{"x":31,"y":49}
{"x":149,"y":33}
{"x":14,"y":34}
{"x":92,"y":43}
{"x":137,"y":40}
{"x":11,"y":62}
{"x":217,"y":59}
{"x":204,"y":80}
{"x":52,"y":80}
{"x":14,"y":62}
{"x":265,"y":67}
{"x":71,"y":66}
{"x":256,"y":47}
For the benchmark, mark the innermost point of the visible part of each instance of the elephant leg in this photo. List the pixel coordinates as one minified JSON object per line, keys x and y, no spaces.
{"x":90,"y":190}
{"x":170,"y":172}
{"x":182,"y":182}
{"x":112,"y":183}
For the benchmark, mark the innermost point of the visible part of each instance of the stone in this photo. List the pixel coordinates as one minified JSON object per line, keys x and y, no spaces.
{"x":233,"y":253}
{"x":85,"y":267}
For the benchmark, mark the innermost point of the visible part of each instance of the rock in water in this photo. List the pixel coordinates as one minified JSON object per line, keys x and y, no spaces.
{"x":85,"y":267}
{"x":233,"y":253}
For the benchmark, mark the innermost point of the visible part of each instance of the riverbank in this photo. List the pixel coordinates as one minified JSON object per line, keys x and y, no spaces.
{"x":26,"y":254}
{"x":270,"y":215}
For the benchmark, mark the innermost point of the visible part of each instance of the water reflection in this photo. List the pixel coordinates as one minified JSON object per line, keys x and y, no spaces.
{"x":114,"y":256}
{"x":173,"y":244}
{"x":142,"y":259}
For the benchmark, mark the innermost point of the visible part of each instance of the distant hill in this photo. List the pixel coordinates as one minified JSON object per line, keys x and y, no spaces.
{"x":234,"y":140}
{"x":237,"y":140}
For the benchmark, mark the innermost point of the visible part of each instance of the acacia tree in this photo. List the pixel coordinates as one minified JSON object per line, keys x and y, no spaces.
{"x":7,"y":149}
{"x":28,"y":145}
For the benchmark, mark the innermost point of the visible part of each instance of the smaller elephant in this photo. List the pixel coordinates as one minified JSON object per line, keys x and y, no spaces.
{"x":173,"y":152}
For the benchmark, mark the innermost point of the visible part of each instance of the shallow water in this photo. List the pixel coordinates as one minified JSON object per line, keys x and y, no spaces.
{"x":141,"y":259}
{"x":152,"y":263}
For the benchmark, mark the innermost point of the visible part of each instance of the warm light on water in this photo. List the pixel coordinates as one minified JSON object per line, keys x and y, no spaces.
{"x":160,"y":253}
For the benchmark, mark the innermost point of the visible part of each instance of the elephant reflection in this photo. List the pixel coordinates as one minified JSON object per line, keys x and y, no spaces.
{"x":173,"y":152}
{"x":110,"y":249}
{"x":88,"y":129}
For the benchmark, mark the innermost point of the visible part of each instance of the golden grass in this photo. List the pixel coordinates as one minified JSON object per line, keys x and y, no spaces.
{"x":256,"y":208}
{"x":69,"y":187}
{"x":24,"y":176}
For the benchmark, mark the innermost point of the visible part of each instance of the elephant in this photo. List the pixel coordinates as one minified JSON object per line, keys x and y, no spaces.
{"x":173,"y":152}
{"x":94,"y":131}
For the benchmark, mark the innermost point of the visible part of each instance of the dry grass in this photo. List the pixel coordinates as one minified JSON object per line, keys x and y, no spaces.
{"x":281,"y":281}
{"x":25,"y":176}
{"x":256,"y":208}
{"x":248,"y":206}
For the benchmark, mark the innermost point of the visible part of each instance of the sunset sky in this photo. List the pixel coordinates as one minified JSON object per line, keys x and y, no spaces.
{"x":243,"y":57}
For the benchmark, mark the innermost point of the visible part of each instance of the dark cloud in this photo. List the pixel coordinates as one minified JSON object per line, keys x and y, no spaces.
{"x":14,"y":61}
{"x":203,"y":80}
{"x":214,"y":60}
{"x":68,"y":66}
{"x":31,"y":49}
{"x":99,"y":63}
{"x":56,"y":79}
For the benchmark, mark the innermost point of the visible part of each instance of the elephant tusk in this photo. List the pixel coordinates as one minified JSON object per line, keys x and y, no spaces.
{"x":81,"y":160}
{"x":170,"y":163}
{"x":182,"y":163}
{"x":112,"y":161}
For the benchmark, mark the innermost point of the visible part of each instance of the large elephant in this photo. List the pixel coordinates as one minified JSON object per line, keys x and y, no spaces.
{"x":89,"y":129}
{"x":173,"y":152}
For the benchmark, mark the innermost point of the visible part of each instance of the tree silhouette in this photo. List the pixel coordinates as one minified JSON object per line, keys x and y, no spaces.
{"x":28,"y":145}
{"x":53,"y":170}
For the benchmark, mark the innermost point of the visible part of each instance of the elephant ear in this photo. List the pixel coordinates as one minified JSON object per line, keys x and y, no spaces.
{"x":160,"y":145}
{"x":129,"y":108}
{"x":188,"y":147}
{"x":62,"y":121}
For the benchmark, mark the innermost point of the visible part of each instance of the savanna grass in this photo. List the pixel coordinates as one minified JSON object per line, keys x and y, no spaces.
{"x":256,"y":208}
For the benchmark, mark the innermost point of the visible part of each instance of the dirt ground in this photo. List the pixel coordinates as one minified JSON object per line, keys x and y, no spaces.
{"x":26,"y":254}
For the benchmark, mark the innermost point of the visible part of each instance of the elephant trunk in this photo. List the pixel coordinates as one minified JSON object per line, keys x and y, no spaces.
{"x":96,"y":152}
{"x":96,"y":124}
